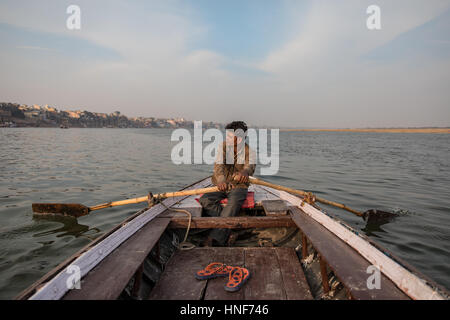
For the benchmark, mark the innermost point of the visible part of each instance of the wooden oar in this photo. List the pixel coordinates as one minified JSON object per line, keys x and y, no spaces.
{"x":369,"y":215}
{"x":78,"y":210}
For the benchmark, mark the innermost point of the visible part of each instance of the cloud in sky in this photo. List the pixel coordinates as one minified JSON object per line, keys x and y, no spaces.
{"x":281,"y":63}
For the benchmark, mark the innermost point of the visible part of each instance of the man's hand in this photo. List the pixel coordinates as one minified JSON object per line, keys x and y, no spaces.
{"x":222,"y":186}
{"x":241,"y":177}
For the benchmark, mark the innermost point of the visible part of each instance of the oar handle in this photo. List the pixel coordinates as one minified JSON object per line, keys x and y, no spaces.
{"x":340,"y":205}
{"x":156,"y":196}
{"x":185,"y":193}
{"x":303,"y":194}
{"x":118,"y":203}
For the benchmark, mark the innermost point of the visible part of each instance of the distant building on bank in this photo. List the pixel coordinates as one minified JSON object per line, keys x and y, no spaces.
{"x":5,"y":116}
{"x":35,"y":115}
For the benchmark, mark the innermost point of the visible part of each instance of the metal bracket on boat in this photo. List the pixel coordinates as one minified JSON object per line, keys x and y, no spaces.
{"x":309,"y":198}
{"x":152,"y":200}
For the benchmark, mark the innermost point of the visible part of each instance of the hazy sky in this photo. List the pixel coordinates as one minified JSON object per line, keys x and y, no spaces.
{"x":279,"y":63}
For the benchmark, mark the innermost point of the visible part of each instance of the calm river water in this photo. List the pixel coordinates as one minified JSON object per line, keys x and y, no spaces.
{"x":405,"y":172}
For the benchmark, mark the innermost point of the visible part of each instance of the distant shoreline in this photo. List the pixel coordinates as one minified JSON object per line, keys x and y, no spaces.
{"x":378,"y":130}
{"x":382,"y":130}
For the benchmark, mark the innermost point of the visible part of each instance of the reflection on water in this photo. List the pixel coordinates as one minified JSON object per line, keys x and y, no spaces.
{"x":405,"y":173}
{"x":70,"y":227}
{"x":373,"y":228}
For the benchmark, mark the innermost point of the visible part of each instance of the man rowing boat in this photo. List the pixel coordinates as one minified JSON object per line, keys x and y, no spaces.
{"x":234,"y":164}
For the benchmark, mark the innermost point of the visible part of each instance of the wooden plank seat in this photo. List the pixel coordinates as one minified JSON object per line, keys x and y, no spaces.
{"x":232,"y":222}
{"x":274,"y":207}
{"x":348,"y":265}
{"x":276,"y":274}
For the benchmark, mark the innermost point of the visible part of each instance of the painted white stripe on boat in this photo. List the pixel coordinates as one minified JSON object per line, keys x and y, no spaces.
{"x":57,"y":287}
{"x":409,"y":283}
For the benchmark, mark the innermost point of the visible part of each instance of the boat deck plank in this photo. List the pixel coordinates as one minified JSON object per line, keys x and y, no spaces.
{"x":348,"y":265}
{"x":215,"y":290}
{"x":267,"y":281}
{"x":262,"y":195}
{"x":276,"y":274}
{"x":177,"y":282}
{"x":274,"y":207}
{"x":107,"y":280}
{"x":233,"y":222}
{"x":295,"y":284}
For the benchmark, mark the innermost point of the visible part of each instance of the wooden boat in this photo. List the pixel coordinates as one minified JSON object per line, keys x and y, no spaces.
{"x":293,"y":249}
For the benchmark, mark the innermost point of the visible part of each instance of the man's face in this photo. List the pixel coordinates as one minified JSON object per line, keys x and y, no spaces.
{"x":232,"y":139}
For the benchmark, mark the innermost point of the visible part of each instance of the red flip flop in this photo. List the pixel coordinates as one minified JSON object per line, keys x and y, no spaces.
{"x":213,"y":270}
{"x":238,"y":277}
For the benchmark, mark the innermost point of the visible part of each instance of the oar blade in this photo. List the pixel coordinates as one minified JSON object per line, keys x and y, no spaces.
{"x":378,"y":216}
{"x":68,"y":209}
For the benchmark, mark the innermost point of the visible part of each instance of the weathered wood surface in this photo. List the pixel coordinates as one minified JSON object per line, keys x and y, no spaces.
{"x":349,"y":266}
{"x":410,"y":283}
{"x":177,"y":282}
{"x":232,"y":222}
{"x":274,"y":207}
{"x":276,"y":273}
{"x":267,"y":278}
{"x":108,"y":279}
{"x":57,"y":287}
{"x":295,"y":284}
{"x":262,"y":194}
{"x":215,"y":288}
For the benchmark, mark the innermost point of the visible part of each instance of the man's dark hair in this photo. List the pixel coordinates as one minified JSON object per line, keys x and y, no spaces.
{"x":235,"y":125}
